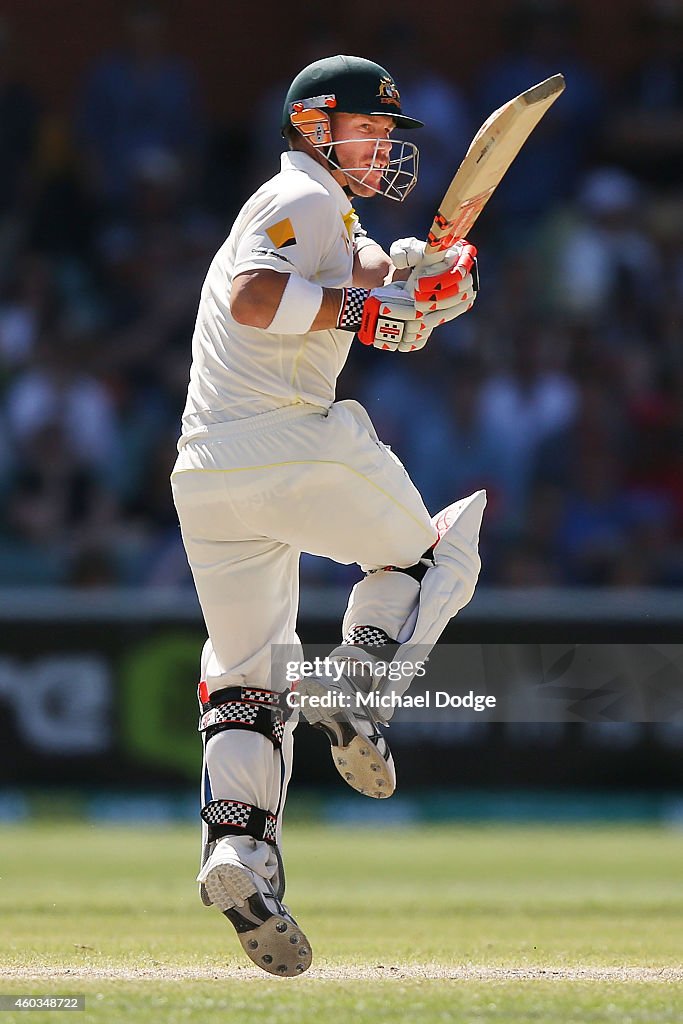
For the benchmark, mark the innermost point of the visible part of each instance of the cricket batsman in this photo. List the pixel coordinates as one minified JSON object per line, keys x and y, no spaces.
{"x":270,"y":465}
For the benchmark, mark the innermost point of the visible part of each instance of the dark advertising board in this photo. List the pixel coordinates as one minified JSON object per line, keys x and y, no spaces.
{"x":109,"y":700}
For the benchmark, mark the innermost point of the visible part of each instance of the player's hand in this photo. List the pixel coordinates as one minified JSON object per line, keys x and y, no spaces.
{"x":393,"y":321}
{"x":444,"y":290}
{"x":447,"y":278}
{"x":408,"y":253}
{"x":401,"y":316}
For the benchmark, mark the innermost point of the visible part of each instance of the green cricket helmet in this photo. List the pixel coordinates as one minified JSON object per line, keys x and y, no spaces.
{"x":353,"y":85}
{"x":350,"y":85}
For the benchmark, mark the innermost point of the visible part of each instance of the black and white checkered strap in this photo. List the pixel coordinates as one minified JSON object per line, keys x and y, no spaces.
{"x":234,"y":818}
{"x":242,"y":707}
{"x":351,"y":309}
{"x":367,"y":636}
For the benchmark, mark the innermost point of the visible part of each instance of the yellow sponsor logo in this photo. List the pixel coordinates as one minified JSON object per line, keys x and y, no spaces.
{"x":282,"y":233}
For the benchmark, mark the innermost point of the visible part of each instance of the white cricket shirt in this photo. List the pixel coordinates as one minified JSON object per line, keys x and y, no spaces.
{"x":299,"y":222}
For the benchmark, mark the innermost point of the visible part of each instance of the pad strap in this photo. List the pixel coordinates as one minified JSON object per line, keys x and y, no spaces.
{"x":234,"y":818}
{"x":245,"y":707}
{"x":417,"y":570}
{"x":368,"y":636}
{"x":372,"y":640}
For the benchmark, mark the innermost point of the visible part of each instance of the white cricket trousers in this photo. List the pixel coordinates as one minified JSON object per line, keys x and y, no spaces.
{"x":251,"y":495}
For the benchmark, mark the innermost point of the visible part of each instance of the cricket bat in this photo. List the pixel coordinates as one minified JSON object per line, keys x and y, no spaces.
{"x":491,"y":152}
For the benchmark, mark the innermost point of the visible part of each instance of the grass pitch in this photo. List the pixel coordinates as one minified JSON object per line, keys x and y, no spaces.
{"x":480,"y":925}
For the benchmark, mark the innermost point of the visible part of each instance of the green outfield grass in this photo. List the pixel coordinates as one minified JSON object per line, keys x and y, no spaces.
{"x":441,"y":924}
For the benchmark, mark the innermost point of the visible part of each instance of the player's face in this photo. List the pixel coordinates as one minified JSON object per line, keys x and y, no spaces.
{"x":357,"y":149}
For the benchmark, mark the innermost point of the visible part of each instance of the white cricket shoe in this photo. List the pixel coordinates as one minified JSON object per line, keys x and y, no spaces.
{"x":267,"y":931}
{"x":360,"y":753}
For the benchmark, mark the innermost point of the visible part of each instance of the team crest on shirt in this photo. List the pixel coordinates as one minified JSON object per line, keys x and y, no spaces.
{"x":388,"y":93}
{"x":282,"y":233}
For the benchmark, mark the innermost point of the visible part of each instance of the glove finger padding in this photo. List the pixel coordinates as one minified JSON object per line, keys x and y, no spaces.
{"x":464,"y":292}
{"x":443,"y":316}
{"x":445,"y":278}
{"x":415,"y":339}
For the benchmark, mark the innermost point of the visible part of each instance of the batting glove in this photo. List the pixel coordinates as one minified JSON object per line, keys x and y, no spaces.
{"x":390,"y":318}
{"x":384,"y":317}
{"x":409,"y":252}
{"x":448,"y":278}
{"x":447,"y":290}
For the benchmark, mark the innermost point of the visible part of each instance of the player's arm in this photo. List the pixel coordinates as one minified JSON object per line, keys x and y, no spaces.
{"x":257,"y":296}
{"x":388,"y":317}
{"x":277,"y":259}
{"x":372,"y":267}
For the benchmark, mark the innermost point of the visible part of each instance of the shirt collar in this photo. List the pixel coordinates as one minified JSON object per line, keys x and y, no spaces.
{"x":294,"y":159}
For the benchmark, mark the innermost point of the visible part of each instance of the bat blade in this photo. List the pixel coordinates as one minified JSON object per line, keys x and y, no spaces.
{"x":490,"y":154}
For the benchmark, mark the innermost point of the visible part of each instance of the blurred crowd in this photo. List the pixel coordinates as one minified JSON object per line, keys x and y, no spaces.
{"x":562,"y":393}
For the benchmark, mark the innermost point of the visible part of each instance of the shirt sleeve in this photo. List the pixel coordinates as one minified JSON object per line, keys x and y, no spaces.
{"x":289,"y":236}
{"x":361,"y":237}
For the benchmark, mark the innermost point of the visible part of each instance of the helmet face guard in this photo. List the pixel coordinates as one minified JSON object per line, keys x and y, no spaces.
{"x":398,"y":170}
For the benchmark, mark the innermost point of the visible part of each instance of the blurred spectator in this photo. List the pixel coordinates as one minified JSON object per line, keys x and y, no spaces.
{"x":18,"y":127}
{"x":149,"y":546}
{"x":473,"y":453}
{"x":524,"y":403}
{"x":139,"y":100}
{"x":56,"y":508}
{"x":524,"y":564}
{"x":26,"y":302}
{"x":665,"y":224}
{"x":19,"y":121}
{"x":398,"y":397}
{"x":598,"y":422}
{"x":58,"y":391}
{"x":647,"y":134}
{"x":539,"y":42}
{"x":599,"y":261}
{"x":655,"y":464}
{"x":606,"y":536}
